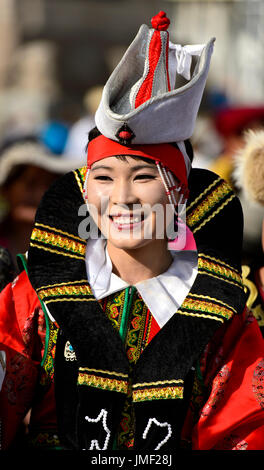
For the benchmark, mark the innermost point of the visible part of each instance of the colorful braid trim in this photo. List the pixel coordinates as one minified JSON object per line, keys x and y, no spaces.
{"x":212,"y":266}
{"x":53,"y":241}
{"x":198,"y":307}
{"x":78,"y":290}
{"x":218,"y":194}
{"x":201,"y":195}
{"x":102,"y":380}
{"x":47,"y":372}
{"x":80,"y":175}
{"x":162,"y":393}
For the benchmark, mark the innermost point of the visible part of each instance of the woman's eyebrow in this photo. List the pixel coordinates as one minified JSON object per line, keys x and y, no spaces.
{"x":101,"y":167}
{"x":149,"y":166}
{"x":133,"y":168}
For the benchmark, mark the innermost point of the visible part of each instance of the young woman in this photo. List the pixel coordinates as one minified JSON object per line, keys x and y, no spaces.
{"x":128,"y":340}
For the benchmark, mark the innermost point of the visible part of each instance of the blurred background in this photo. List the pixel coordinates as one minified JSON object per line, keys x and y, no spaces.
{"x":57,"y":54}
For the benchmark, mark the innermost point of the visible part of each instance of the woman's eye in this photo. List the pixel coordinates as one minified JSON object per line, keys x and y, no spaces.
{"x":145,"y":177}
{"x":103,"y":178}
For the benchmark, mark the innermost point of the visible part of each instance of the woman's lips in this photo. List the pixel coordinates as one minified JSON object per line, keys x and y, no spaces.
{"x":126,"y":221}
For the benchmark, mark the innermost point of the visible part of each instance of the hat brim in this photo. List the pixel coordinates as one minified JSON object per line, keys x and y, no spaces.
{"x":35,"y":155}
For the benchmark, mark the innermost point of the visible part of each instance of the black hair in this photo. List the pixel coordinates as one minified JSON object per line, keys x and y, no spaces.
{"x":189,"y":149}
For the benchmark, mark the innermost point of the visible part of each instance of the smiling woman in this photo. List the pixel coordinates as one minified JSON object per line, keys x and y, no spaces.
{"x":144,"y":346}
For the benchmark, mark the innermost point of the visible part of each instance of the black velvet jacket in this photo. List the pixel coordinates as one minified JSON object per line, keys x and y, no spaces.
{"x":90,"y":391}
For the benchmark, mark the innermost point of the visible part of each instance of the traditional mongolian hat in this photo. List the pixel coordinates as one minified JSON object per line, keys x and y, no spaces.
{"x":143,"y":108}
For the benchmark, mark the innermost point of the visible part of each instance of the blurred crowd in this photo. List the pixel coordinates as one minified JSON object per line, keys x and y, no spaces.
{"x":39,"y":141}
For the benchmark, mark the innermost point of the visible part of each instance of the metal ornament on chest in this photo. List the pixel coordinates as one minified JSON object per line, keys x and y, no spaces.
{"x":69,"y":353}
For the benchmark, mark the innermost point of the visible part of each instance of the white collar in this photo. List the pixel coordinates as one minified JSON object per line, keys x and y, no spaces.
{"x":163,"y":294}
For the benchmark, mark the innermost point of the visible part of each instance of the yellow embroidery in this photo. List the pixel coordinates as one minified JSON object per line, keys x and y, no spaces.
{"x":70,"y":299}
{"x":208,"y":203}
{"x":149,"y":394}
{"x":211,"y":258}
{"x":59,"y":231}
{"x":203,"y":194}
{"x":218,"y":269}
{"x":103,"y":382}
{"x":107,"y":372}
{"x":57,"y":252}
{"x":49,"y":238}
{"x":80,"y":180}
{"x":203,"y":315}
{"x":83,"y":281}
{"x":160,"y":382}
{"x":210,"y":307}
{"x":213,"y":300}
{"x":221,"y":279}
{"x":214,"y":214}
{"x":64,"y":290}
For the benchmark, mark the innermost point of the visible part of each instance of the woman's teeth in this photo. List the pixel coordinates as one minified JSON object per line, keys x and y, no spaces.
{"x":126,"y":220}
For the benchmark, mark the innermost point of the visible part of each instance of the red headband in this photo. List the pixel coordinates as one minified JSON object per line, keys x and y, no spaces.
{"x":101,"y":147}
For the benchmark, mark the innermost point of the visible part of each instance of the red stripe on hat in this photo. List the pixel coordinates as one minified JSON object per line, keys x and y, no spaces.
{"x":101,"y":147}
{"x":155,"y":48}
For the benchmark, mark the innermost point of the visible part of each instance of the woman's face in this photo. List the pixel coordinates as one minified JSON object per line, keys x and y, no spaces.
{"x":128,"y":202}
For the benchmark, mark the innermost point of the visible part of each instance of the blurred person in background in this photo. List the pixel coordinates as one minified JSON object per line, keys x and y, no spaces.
{"x":248,"y":175}
{"x":7,"y":268}
{"x":78,"y":134}
{"x":231,"y":122}
{"x":27,"y":169}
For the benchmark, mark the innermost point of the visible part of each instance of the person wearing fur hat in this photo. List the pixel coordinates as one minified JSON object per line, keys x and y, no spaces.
{"x":131,"y":328}
{"x":27,"y":169}
{"x":248,"y":176}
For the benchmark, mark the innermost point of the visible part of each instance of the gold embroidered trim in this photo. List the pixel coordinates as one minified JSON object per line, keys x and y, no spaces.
{"x":214,"y":214}
{"x":59,"y":231}
{"x":83,"y":281}
{"x":218,"y":269}
{"x":157,"y":394}
{"x":210,"y":307}
{"x":221,"y":279}
{"x":107,"y":372}
{"x":208,"y":203}
{"x":57,"y":252}
{"x":160,"y":382}
{"x":212,"y":299}
{"x":70,"y":299}
{"x":68,"y":290}
{"x":211,"y":258}
{"x":200,"y":315}
{"x":54,"y":240}
{"x":80,"y":181}
{"x":203,"y":193}
{"x":102,"y":382}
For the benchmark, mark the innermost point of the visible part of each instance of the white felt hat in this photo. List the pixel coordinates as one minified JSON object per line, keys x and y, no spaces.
{"x":33,"y":153}
{"x":138,"y":105}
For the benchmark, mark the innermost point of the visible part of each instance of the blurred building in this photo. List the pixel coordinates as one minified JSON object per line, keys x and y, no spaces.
{"x":91,"y":35}
{"x":84,"y":39}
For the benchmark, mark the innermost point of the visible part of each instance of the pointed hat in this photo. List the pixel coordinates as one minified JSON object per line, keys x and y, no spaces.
{"x":139,"y":105}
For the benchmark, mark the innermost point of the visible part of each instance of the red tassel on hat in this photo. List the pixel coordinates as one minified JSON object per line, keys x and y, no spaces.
{"x":160,"y":21}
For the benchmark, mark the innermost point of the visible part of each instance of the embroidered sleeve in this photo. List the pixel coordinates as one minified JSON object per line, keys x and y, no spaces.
{"x":21,"y":346}
{"x":234,"y":409}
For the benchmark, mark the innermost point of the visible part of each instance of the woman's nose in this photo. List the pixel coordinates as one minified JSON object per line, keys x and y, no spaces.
{"x":122,"y":193}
